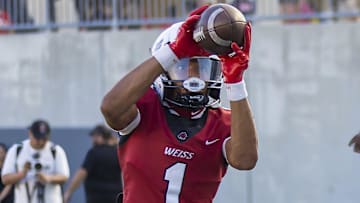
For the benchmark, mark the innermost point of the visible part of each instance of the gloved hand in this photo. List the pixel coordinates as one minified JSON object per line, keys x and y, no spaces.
{"x":234,"y":64}
{"x":184,"y":45}
{"x":356,"y":142}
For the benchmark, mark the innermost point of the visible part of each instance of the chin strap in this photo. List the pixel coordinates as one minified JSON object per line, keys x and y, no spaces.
{"x":185,"y":112}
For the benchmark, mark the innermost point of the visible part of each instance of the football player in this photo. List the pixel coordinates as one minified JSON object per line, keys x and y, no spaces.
{"x":176,"y":141}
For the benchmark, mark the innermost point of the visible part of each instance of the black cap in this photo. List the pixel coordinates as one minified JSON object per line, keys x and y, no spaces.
{"x":40,"y":129}
{"x":101,"y":130}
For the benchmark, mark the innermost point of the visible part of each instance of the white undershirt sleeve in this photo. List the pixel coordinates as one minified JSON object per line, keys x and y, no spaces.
{"x":132,"y":125}
{"x":224,"y":149}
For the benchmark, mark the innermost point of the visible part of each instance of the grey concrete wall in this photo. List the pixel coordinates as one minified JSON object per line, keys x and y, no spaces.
{"x":63,"y":76}
{"x":303,"y":83}
{"x":305,"y":92}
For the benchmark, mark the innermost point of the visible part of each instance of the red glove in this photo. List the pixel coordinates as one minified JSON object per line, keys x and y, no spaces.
{"x":184,"y":45}
{"x":234,"y":66}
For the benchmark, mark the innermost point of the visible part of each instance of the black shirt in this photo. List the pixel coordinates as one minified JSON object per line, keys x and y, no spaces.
{"x":10,"y":197}
{"x":103,"y":181}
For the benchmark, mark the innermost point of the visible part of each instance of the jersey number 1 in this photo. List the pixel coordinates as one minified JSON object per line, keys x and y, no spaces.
{"x":175,"y":176}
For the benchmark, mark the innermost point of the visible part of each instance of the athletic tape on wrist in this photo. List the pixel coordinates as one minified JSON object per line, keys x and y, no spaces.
{"x":166,"y":57}
{"x":236,"y":91}
{"x":128,"y":129}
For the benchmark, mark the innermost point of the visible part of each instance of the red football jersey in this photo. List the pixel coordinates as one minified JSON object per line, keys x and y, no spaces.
{"x":157,"y":168}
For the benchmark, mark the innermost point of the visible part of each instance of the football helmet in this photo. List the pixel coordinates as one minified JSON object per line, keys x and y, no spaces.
{"x":192,"y":82}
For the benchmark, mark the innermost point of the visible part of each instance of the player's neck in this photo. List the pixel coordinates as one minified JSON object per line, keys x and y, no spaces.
{"x":187,"y":112}
{"x":183,"y":128}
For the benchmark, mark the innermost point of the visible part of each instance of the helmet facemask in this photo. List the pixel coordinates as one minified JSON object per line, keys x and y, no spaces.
{"x":193,"y":82}
{"x":185,"y":87}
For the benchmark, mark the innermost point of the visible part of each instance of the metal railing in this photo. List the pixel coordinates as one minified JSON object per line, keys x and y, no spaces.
{"x":17,"y":15}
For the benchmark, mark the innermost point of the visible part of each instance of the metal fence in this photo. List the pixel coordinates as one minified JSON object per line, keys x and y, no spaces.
{"x":18,"y":15}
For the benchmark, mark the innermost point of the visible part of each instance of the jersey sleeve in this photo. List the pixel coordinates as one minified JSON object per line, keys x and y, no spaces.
{"x":61,"y":162}
{"x":10,"y":161}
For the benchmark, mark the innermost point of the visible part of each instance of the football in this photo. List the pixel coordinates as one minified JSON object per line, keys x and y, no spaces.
{"x":220,"y":25}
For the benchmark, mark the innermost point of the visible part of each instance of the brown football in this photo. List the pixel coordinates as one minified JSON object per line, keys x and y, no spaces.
{"x":219,"y":26}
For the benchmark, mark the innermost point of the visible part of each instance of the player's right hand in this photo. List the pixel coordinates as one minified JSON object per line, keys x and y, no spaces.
{"x":234,"y":64}
{"x":184,"y":45}
{"x":356,"y":142}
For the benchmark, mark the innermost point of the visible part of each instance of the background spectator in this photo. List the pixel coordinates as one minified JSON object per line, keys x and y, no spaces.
{"x":193,"y":4}
{"x":203,"y":2}
{"x":80,"y":10}
{"x":356,"y":142}
{"x":36,"y":165}
{"x":52,"y":11}
{"x":247,"y":7}
{"x":17,"y":10}
{"x":100,"y":169}
{"x":6,"y":192}
{"x":288,"y":7}
{"x":4,"y":20}
{"x":305,"y":7}
{"x":291,"y":8}
{"x":348,"y":6}
{"x":94,"y":11}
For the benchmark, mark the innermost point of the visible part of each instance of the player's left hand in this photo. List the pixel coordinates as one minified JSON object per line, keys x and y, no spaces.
{"x":237,"y":62}
{"x":356,"y":142}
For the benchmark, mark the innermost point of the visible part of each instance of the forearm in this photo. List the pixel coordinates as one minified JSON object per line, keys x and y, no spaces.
{"x":79,"y":177}
{"x":243,"y":145}
{"x":57,"y":179}
{"x":5,"y":192}
{"x":13,"y":178}
{"x":119,"y":103}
